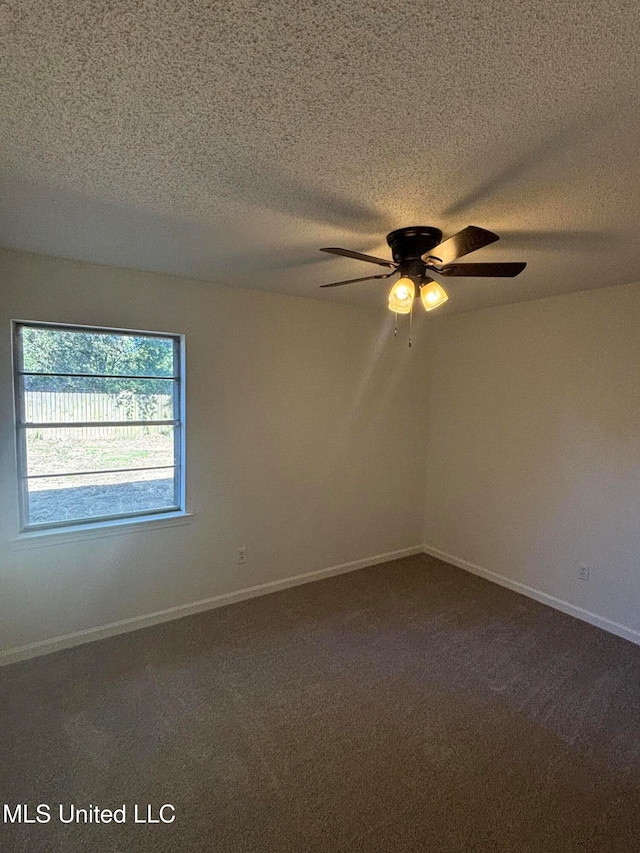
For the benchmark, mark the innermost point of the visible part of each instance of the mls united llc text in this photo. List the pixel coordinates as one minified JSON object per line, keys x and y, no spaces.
{"x":44,"y":813}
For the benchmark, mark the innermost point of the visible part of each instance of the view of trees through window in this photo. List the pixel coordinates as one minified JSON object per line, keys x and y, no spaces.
{"x":99,"y":423}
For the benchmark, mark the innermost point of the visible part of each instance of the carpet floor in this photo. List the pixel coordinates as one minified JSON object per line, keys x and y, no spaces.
{"x":404,"y":707}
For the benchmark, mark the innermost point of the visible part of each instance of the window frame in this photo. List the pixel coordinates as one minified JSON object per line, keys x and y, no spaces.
{"x":21,"y":427}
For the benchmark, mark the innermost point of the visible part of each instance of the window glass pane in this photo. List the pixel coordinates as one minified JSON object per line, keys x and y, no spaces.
{"x":71,"y":449}
{"x":83,"y":380}
{"x":86,"y":496}
{"x":62,"y":399}
{"x":51,"y":350}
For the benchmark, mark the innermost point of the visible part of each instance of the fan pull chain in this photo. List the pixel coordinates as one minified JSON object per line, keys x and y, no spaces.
{"x":395,"y":326}
{"x":410,"y":323}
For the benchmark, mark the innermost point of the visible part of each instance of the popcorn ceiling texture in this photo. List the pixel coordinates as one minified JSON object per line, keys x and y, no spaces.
{"x":229,"y":141}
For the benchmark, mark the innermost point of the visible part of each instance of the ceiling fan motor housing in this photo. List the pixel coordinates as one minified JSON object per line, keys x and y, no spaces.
{"x":408,"y":245}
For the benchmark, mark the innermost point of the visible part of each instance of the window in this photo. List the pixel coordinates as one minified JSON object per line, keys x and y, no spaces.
{"x":99,"y":426}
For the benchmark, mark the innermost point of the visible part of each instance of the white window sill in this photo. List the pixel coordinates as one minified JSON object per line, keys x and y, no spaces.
{"x":80,"y":532}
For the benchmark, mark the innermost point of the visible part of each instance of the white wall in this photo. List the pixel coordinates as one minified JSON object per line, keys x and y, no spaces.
{"x":533,"y":449}
{"x":304,"y":420}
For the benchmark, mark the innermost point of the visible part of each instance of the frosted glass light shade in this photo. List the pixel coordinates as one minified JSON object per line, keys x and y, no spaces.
{"x":402,"y":295}
{"x":433,"y":295}
{"x":397,"y":310}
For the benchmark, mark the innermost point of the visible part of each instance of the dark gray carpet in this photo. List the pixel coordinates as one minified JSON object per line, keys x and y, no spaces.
{"x":405,"y":707}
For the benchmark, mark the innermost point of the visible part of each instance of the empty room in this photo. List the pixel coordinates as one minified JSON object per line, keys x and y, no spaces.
{"x":319,"y":427}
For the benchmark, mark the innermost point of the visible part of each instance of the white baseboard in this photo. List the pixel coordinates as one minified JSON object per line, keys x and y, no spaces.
{"x":136,"y":622}
{"x":558,"y":603}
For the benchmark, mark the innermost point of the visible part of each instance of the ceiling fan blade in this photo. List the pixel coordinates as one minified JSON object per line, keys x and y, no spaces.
{"x":462,"y":243}
{"x":507,"y":270}
{"x":347,"y":253}
{"x":352,"y":280}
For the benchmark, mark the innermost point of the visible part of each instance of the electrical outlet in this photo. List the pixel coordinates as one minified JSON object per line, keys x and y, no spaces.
{"x":583,"y":573}
{"x":242,"y":554}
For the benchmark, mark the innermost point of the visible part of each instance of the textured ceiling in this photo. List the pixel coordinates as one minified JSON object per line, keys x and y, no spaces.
{"x":229,"y":141}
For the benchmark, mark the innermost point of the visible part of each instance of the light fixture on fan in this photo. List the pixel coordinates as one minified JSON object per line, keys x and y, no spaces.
{"x":403,"y":292}
{"x":402,"y":295}
{"x":432,"y":295}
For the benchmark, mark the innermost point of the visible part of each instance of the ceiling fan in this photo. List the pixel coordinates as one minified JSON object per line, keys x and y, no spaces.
{"x":418,"y":251}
